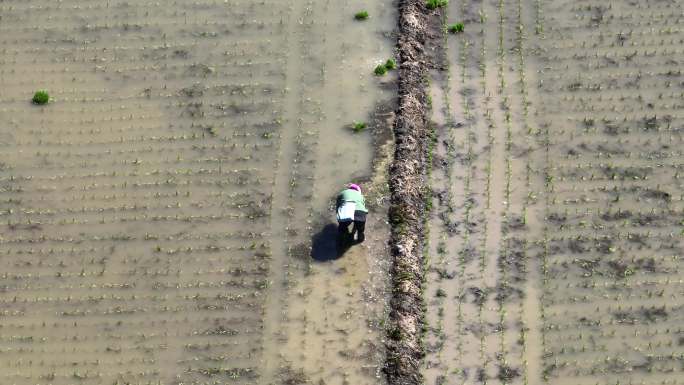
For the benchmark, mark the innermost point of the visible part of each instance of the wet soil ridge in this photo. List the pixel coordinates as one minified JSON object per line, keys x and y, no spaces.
{"x":407,"y":203}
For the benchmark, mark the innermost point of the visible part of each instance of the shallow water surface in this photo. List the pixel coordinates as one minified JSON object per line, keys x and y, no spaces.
{"x":555,"y":238}
{"x":158,"y":213}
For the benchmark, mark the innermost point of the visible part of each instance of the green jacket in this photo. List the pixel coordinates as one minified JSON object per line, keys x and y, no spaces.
{"x":349,"y":195}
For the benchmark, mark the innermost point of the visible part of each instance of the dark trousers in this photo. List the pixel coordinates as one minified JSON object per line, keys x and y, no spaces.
{"x":359,"y":225}
{"x":359,"y":228}
{"x":344,"y":237}
{"x":343,"y":234}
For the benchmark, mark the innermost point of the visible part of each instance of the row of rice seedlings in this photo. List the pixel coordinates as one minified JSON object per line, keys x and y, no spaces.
{"x":140,"y":169}
{"x":251,"y":199}
{"x":629,"y":44}
{"x":178,"y":46}
{"x":642,"y":56}
{"x":133,"y":123}
{"x":529,"y":195}
{"x":643,"y":117}
{"x":506,"y":373}
{"x":576,"y":344}
{"x":600,"y":15}
{"x":538,"y":17}
{"x":234,"y":8}
{"x":491,"y":129}
{"x":242,"y":150}
{"x":201,"y":25}
{"x":467,"y":250}
{"x":650,"y":5}
{"x":548,"y":188}
{"x":302,"y":168}
{"x":236,"y":70}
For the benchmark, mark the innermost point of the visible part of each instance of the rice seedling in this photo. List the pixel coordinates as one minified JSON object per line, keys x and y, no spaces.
{"x":390,"y":64}
{"x":41,"y":97}
{"x":359,"y":126}
{"x":456,"y":28}
{"x":434,"y":4}
{"x":361,"y":15}
{"x":380,"y":70}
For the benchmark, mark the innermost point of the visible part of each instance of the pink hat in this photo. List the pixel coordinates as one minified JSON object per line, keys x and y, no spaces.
{"x":354,"y":187}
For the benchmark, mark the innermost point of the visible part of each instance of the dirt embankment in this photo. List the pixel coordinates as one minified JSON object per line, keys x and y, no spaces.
{"x":408,"y":188}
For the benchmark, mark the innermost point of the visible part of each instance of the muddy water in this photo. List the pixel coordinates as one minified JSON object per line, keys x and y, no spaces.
{"x":555,"y":241}
{"x":158,"y":213}
{"x":609,"y":291}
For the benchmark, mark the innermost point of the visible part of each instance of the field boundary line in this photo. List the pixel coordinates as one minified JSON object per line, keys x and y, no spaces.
{"x":409,"y":193}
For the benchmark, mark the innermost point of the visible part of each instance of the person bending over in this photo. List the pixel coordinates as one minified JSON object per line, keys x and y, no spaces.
{"x":351,"y":208}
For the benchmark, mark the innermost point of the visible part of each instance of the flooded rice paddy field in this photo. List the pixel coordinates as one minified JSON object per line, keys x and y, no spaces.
{"x":555,"y":238}
{"x":157,"y":215}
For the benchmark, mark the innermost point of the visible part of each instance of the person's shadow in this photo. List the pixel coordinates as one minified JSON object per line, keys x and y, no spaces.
{"x":325,"y":245}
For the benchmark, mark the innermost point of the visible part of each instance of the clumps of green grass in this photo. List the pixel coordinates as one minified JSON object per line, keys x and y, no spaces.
{"x":390,"y":64}
{"x":362,"y":15}
{"x":41,"y":97}
{"x":434,"y":4}
{"x":382,"y":69}
{"x":359,"y":126}
{"x":456,"y":28}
